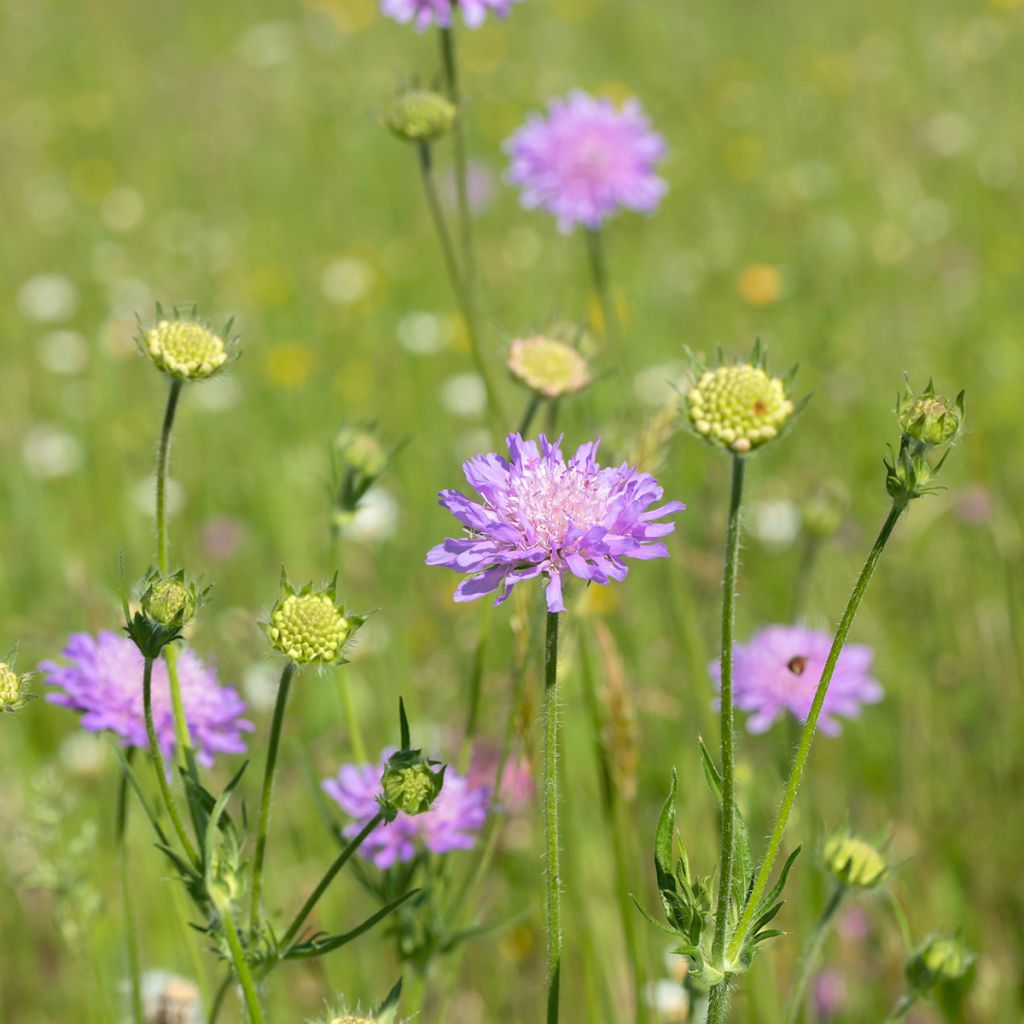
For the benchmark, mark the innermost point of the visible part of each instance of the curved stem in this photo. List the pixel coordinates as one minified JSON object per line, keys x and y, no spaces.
{"x":252,"y":1000}
{"x":810,"y":957}
{"x":159,"y":766}
{"x":732,"y":556}
{"x":131,"y":932}
{"x":268,"y":790}
{"x":218,"y":1000}
{"x":551,"y":836}
{"x":340,"y":861}
{"x":807,"y":736}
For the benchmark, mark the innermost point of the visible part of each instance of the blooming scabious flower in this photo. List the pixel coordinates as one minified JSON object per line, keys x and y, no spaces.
{"x":424,"y":13}
{"x":778,"y":670}
{"x":451,"y":823}
{"x":540,"y":514}
{"x":587,"y":159}
{"x":103,"y":680}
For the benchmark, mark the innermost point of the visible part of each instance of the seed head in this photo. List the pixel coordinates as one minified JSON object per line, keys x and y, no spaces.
{"x":14,"y":693}
{"x":310,"y":626}
{"x":549,"y":367}
{"x":185,"y":349}
{"x":854,"y":862}
{"x":419,"y":115}
{"x":739,"y":406}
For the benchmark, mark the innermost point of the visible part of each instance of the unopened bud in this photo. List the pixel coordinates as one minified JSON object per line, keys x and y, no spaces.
{"x":410,"y":784}
{"x":550,"y":367}
{"x":420,"y":115}
{"x":310,"y":626}
{"x":170,"y":601}
{"x":185,"y":349}
{"x":854,"y":862}
{"x":942,"y":959}
{"x":929,"y":419}
{"x":14,"y":693}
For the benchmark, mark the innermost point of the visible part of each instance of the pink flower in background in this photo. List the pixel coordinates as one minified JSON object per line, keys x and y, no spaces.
{"x":424,"y":13}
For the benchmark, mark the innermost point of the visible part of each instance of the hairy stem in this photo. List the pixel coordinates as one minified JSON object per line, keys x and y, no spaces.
{"x":268,"y":790}
{"x":551,"y":835}
{"x":130,"y":931}
{"x":810,"y":957}
{"x":252,"y":1000}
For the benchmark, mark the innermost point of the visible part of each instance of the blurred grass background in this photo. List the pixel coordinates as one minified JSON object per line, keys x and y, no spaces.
{"x":846,"y":184}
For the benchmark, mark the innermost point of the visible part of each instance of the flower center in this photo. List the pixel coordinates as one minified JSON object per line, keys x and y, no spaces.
{"x":797,"y":665}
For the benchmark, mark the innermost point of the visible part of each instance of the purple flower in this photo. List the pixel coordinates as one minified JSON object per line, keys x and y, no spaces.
{"x":586,"y":160}
{"x":451,"y":823}
{"x":540,"y":515}
{"x":424,"y":13}
{"x":103,"y":680}
{"x":829,"y":990}
{"x":778,"y":670}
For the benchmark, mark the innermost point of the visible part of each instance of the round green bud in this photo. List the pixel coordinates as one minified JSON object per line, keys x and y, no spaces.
{"x":309,"y":628}
{"x":420,"y":115}
{"x":547,"y":366}
{"x":184,"y":349}
{"x":942,"y":959}
{"x":738,"y":407}
{"x":930,"y":420}
{"x":411,"y":788}
{"x":362,"y":450}
{"x":854,"y":862}
{"x":13,"y":688}
{"x":170,"y":602}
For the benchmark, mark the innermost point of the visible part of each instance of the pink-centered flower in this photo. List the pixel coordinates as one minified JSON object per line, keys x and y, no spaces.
{"x":424,"y":13}
{"x":586,"y":159}
{"x":540,"y":515}
{"x":778,"y":671}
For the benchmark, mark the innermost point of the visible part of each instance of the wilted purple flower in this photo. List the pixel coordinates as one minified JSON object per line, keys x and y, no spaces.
{"x":541,"y":515}
{"x":103,"y":680}
{"x":452,"y":822}
{"x":586,"y":159}
{"x":778,"y":670}
{"x":424,"y":13}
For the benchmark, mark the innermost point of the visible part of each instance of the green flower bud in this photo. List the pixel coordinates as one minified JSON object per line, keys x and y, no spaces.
{"x":928,"y":418}
{"x":739,"y":407}
{"x":185,"y":349}
{"x":362,"y":451}
{"x":170,"y":600}
{"x":420,"y":115}
{"x":854,"y":862}
{"x":550,"y":367}
{"x":943,"y":959}
{"x":14,"y":693}
{"x":409,"y":784}
{"x":311,"y":627}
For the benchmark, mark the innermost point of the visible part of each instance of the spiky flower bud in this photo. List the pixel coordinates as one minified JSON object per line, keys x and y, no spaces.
{"x":854,"y":862}
{"x":310,"y":626}
{"x":929,"y":419}
{"x":420,"y":115}
{"x":409,"y":783}
{"x":942,"y":959}
{"x":739,"y":406}
{"x":185,"y":349}
{"x":550,"y":367}
{"x":14,"y":693}
{"x":170,"y":600}
{"x":386,"y":1013}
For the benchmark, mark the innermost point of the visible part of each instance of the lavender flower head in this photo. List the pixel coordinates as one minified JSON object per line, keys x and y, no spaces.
{"x":586,"y":160}
{"x":452,"y":822}
{"x":778,"y":670}
{"x":424,"y":13}
{"x":103,"y":680}
{"x":541,"y":515}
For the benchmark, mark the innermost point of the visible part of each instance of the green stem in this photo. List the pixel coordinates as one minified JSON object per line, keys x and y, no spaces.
{"x":807,"y":736}
{"x":810,"y":957}
{"x":159,"y":766}
{"x":131,"y":932}
{"x":252,"y":1000}
{"x":718,"y":1000}
{"x":901,"y":1009}
{"x":551,"y":835}
{"x":268,"y":789}
{"x":182,"y":740}
{"x":476,"y":680}
{"x":613,"y":820}
{"x":340,"y":861}
{"x":732,"y":557}
{"x":599,"y":277}
{"x":218,"y":1000}
{"x":355,"y":734}
{"x":529,"y":412}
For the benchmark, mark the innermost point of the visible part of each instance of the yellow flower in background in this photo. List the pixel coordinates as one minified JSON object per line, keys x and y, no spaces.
{"x":760,"y":284}
{"x":288,"y":365}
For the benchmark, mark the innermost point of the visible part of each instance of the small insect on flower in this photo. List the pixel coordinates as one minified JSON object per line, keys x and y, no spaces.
{"x":778,"y":670}
{"x":14,"y":693}
{"x":541,"y":515}
{"x":185,"y":349}
{"x":424,"y":13}
{"x":586,"y":159}
{"x":451,"y":823}
{"x":310,"y":626}
{"x":420,"y":115}
{"x":854,"y":862}
{"x":549,"y":367}
{"x":103,"y":680}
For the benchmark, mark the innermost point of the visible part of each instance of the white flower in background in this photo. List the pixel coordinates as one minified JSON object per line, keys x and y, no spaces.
{"x":669,"y":1000}
{"x":775,"y":523}
{"x":421,"y":334}
{"x":48,"y":298}
{"x":375,"y":518}
{"x":49,"y":452}
{"x":122,"y":209}
{"x":345,"y":281}
{"x":65,"y":352}
{"x":464,"y":394}
{"x":656,"y":385}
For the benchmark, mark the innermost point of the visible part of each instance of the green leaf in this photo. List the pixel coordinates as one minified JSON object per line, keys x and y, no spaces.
{"x":318,"y":946}
{"x":403,"y":723}
{"x":743,"y":865}
{"x":653,"y":920}
{"x":133,"y":779}
{"x":776,"y":891}
{"x":664,"y":860}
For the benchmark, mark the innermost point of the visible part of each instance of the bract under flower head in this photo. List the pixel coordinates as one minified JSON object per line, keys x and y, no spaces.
{"x":424,"y":13}
{"x":854,"y":861}
{"x":539,"y":514}
{"x":310,"y":626}
{"x":551,"y":368}
{"x":185,"y":349}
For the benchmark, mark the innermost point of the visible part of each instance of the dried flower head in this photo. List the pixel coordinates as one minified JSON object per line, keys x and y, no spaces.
{"x":310,"y":626}
{"x":739,"y":406}
{"x":185,"y":349}
{"x":539,"y":514}
{"x":551,"y":368}
{"x":420,"y":115}
{"x":854,"y":862}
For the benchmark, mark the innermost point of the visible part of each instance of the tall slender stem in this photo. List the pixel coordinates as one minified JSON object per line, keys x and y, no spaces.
{"x":130,"y":930}
{"x":807,"y":736}
{"x":810,"y":957}
{"x":529,"y":412}
{"x":355,"y":734}
{"x":182,"y":740}
{"x":340,"y":861}
{"x":732,"y":557}
{"x":268,"y":791}
{"x":252,"y":1000}
{"x":159,"y":767}
{"x":599,"y":277}
{"x":218,"y":999}
{"x":551,"y":835}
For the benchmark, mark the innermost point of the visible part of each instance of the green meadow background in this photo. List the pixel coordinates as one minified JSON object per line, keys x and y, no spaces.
{"x":845,"y":183}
